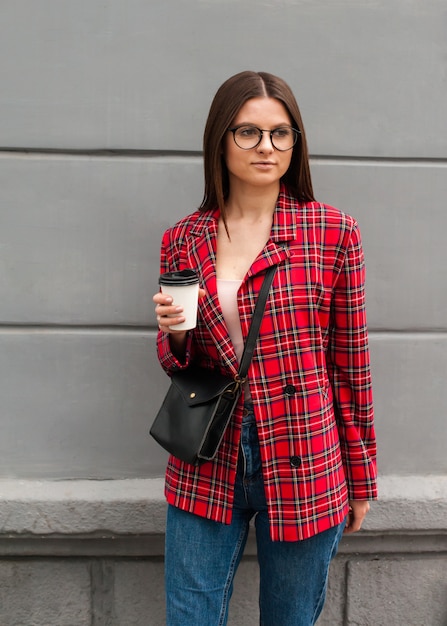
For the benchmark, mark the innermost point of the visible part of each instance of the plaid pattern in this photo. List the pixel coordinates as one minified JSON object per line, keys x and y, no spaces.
{"x":309,"y":378}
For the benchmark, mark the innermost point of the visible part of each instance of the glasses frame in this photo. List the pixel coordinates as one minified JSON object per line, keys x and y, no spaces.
{"x":296,"y":134}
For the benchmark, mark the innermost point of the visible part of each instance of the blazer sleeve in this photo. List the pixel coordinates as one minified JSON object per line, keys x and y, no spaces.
{"x":348,"y":363}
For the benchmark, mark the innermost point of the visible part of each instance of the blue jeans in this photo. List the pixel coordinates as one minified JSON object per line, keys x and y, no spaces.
{"x":202,"y":556}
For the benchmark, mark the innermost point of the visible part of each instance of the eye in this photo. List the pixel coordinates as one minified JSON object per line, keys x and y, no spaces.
{"x":282,"y":133}
{"x":248,"y":132}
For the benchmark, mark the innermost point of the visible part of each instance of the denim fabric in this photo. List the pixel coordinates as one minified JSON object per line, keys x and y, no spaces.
{"x":202,"y":556}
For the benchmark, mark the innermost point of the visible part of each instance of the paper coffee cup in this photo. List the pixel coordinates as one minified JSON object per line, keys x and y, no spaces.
{"x":183,"y":287}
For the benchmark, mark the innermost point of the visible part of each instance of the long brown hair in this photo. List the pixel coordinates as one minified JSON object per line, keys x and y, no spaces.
{"x":229,"y":98}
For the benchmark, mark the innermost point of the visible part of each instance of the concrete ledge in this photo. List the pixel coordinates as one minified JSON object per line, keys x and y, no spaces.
{"x":112,"y":507}
{"x":410,"y":503}
{"x":407,"y":504}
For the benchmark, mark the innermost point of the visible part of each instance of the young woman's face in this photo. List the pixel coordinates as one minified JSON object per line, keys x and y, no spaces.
{"x":262,"y":165}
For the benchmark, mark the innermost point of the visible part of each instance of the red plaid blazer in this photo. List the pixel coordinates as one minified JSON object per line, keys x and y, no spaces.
{"x":309,"y":377}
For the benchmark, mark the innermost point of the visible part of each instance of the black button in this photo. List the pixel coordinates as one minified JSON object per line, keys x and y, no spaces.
{"x":289,"y":390}
{"x":295,"y":461}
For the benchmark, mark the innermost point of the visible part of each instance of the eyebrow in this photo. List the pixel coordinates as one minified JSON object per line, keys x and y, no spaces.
{"x":281,"y":125}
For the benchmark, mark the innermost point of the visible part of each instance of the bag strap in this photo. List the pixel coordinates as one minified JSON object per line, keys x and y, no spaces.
{"x":258,"y":314}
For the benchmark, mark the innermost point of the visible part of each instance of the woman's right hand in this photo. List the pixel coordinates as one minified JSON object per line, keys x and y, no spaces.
{"x":165,"y":308}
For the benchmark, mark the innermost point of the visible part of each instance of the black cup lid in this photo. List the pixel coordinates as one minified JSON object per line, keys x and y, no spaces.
{"x":182,"y":277}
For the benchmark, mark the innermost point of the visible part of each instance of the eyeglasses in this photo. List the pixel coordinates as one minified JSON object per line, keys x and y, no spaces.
{"x":248,"y":136}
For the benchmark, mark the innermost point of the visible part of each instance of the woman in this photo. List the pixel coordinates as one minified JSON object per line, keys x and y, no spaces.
{"x":299,"y":454}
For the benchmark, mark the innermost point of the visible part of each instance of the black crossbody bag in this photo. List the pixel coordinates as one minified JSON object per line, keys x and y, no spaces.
{"x":200,"y":402}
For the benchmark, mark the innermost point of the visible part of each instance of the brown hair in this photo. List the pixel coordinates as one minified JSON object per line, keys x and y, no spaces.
{"x":229,"y":98}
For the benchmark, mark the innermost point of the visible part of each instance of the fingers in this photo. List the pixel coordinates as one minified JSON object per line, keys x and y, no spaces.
{"x":167,"y":313}
{"x":162,"y":298}
{"x":357,"y":513}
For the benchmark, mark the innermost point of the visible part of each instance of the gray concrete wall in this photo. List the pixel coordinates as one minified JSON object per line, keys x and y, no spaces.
{"x":102,"y":107}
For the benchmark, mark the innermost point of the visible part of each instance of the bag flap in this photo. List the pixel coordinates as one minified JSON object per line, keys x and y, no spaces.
{"x":198,"y":385}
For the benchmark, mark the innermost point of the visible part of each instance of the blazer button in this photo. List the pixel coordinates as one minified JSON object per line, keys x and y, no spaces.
{"x":295,"y":461}
{"x":289,"y":390}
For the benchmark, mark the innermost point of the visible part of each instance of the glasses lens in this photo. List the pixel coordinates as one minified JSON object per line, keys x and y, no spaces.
{"x":284,"y":138}
{"x":247,"y":137}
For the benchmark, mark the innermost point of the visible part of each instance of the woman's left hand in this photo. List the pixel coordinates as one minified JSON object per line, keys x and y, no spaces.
{"x":357,"y":513}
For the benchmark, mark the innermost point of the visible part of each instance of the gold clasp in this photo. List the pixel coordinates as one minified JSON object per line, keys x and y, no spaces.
{"x":239,"y":381}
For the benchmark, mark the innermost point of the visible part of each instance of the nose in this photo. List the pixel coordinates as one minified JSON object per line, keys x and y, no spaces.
{"x":265,"y":145}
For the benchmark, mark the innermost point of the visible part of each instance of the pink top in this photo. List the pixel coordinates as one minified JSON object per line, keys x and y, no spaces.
{"x":227,"y":293}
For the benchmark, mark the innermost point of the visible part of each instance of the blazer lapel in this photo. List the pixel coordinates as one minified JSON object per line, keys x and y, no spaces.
{"x":284,"y":230}
{"x":202,"y":252}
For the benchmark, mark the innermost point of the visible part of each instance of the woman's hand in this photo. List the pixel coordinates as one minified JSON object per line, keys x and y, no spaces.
{"x":164,"y":308}
{"x":357,"y":513}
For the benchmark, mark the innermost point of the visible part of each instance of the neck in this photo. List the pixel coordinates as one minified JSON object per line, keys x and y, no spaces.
{"x":251,"y":203}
